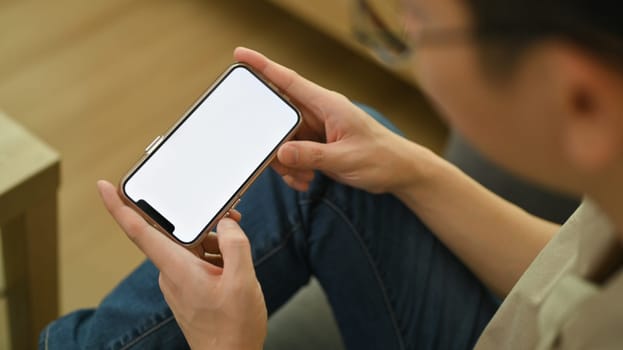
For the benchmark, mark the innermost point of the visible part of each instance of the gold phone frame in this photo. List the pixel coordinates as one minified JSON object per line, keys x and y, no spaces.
{"x":233,"y":201}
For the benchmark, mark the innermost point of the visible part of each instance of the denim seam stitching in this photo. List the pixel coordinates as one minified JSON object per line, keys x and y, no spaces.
{"x":146,"y":333}
{"x":279,"y":246}
{"x":47,"y":336}
{"x":377,"y":276}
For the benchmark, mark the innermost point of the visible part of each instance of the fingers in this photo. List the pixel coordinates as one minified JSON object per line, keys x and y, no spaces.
{"x":214,"y":259}
{"x":210,"y":243}
{"x":234,"y":215}
{"x":235,"y":248}
{"x":299,"y":185}
{"x":304,"y":175}
{"x":297,"y":179}
{"x":288,"y":81}
{"x":279,"y":168}
{"x":308,"y":155}
{"x":169,"y":257}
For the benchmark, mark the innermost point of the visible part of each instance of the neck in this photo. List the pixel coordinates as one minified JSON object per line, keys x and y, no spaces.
{"x":609,"y":197}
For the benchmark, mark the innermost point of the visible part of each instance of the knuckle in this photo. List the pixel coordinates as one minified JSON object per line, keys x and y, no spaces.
{"x":316,"y":155}
{"x":293,"y":77}
{"x":318,"y":108}
{"x":134,"y":232}
{"x":338,"y":97}
{"x":165,"y":286}
{"x":294,"y":74}
{"x":324,"y":105}
{"x":237,"y":241}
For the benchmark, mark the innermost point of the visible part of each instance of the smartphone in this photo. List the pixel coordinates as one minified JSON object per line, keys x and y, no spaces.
{"x":190,"y":177}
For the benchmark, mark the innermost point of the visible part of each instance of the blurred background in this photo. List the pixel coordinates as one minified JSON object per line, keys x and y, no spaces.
{"x":98,"y":80}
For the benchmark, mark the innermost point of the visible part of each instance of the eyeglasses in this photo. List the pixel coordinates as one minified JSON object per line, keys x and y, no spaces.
{"x":391,"y":31}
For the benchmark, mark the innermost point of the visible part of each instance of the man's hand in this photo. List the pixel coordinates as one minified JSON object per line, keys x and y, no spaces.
{"x":337,"y":137}
{"x":216,"y":308}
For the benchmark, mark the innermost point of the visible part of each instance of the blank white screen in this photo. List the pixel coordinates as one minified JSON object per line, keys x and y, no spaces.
{"x":198,"y":169}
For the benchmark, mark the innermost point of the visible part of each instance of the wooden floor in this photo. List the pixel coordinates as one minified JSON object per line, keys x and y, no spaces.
{"x":98,"y":80}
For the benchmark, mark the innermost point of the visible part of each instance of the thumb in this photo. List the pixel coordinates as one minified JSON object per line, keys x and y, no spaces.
{"x":234,"y":246}
{"x":307,"y":155}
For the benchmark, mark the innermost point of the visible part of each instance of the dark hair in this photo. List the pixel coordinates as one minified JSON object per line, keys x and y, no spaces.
{"x":505,"y":29}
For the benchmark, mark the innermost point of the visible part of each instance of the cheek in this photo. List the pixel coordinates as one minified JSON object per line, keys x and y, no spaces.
{"x":450,"y":79}
{"x":499,"y":124}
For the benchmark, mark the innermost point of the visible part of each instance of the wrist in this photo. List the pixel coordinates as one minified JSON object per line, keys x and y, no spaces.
{"x":419,"y":170}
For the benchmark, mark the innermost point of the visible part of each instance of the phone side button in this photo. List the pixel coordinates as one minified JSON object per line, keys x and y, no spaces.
{"x":235,"y":204}
{"x":153,"y":144}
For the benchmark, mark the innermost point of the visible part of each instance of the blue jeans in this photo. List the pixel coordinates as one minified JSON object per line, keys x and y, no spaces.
{"x":390,"y":282}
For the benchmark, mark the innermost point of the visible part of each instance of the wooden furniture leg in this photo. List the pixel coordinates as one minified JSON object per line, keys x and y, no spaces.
{"x":29,"y":177}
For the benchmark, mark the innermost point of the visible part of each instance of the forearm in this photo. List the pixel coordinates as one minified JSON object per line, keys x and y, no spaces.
{"x":494,"y":238}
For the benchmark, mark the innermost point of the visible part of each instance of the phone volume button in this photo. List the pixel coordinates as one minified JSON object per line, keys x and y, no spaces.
{"x":153,"y":144}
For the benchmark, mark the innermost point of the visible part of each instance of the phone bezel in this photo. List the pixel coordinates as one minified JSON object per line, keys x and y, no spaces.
{"x":244,"y":186}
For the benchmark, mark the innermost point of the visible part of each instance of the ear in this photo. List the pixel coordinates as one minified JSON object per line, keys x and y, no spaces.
{"x":592,"y":111}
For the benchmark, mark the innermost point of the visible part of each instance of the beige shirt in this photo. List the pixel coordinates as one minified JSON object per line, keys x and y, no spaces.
{"x":556,"y":304}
